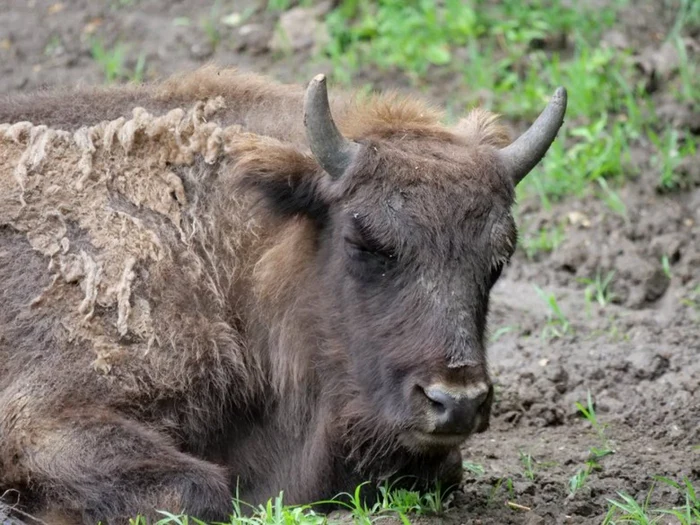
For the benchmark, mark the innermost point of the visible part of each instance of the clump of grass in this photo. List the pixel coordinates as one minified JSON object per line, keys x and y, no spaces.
{"x":666,"y":266}
{"x":558,"y":324}
{"x":474,"y":468}
{"x":400,"y":503}
{"x":392,"y":502}
{"x":528,"y":464}
{"x":505,"y":483}
{"x":592,"y":464}
{"x":409,"y":36}
{"x":598,"y":289}
{"x":210,"y":24}
{"x":628,"y":510}
{"x":612,"y":199}
{"x":670,"y":151}
{"x":545,"y":240}
{"x":503,"y":330}
{"x":113,"y":60}
{"x":404,"y":502}
{"x":588,"y":412}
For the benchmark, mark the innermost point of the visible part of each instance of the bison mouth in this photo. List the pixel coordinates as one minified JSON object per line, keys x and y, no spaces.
{"x":420,"y":440}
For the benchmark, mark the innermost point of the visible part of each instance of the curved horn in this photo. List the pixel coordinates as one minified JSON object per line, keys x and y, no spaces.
{"x":528,"y":149}
{"x":332,"y":151}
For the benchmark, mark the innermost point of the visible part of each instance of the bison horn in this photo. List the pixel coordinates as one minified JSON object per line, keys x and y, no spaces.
{"x":528,"y":149}
{"x":332,"y":151}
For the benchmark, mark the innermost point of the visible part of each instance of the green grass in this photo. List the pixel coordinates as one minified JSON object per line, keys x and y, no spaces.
{"x":598,"y":289}
{"x":670,"y":150}
{"x":558,"y":324}
{"x":627,"y":509}
{"x":510,"y":57}
{"x":595,"y":453}
{"x":543,"y":241}
{"x":474,"y":468}
{"x":528,"y":465}
{"x":210,"y":24}
{"x":392,"y":503}
{"x":113,"y":62}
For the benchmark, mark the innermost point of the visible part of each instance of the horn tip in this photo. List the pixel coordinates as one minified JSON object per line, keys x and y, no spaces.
{"x":320,"y":78}
{"x":560,"y":96}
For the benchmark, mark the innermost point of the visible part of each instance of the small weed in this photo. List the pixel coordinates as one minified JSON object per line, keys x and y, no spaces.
{"x":595,"y":453}
{"x":210,"y":25}
{"x":508,"y":482}
{"x":545,"y":241}
{"x":588,"y":411}
{"x":598,"y":289}
{"x":689,"y":513}
{"x":670,"y":151}
{"x":503,"y":330}
{"x":688,"y":69}
{"x":474,"y":468}
{"x":53,"y":46}
{"x":403,"y":501}
{"x":112,"y":61}
{"x":666,"y":266}
{"x":558,"y":324}
{"x":612,"y":199}
{"x":579,"y":479}
{"x":528,"y":462}
{"x":628,"y":509}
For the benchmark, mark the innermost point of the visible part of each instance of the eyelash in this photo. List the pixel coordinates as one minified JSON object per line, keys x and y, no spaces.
{"x":366,"y":250}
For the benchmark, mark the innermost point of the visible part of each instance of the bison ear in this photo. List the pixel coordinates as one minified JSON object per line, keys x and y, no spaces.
{"x":288,"y":181}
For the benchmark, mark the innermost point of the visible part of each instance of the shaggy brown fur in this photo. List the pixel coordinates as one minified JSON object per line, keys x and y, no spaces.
{"x":190,"y":305}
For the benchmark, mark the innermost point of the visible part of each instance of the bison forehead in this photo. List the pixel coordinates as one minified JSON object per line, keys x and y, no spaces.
{"x":439,"y":162}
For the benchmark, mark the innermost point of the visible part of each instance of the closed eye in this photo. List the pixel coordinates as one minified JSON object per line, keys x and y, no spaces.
{"x":497,"y":266}
{"x":361,"y":240}
{"x":496,"y":273}
{"x":363,"y":249}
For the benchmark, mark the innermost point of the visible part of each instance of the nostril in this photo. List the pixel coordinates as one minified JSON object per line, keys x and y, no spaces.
{"x":440,"y":399}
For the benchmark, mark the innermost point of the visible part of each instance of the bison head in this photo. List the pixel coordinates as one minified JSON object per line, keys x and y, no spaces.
{"x":413,"y":227}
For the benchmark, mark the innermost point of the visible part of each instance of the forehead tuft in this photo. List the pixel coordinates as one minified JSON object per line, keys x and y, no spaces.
{"x":385,"y":114}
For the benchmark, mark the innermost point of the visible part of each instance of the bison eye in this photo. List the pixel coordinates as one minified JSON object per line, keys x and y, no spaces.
{"x":363,"y":247}
{"x":496,"y":273}
{"x":364,"y":251}
{"x":497,"y":269}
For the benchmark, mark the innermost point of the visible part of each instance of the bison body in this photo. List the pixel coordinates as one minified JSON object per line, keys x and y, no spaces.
{"x":208,"y":288}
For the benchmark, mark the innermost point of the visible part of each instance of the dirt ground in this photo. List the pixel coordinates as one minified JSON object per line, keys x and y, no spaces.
{"x":639,"y":357}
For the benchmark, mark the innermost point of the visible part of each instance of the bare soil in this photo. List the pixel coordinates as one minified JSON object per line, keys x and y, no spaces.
{"x":639,"y":356}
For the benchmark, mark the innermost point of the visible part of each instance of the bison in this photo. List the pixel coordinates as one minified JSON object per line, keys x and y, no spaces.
{"x":218,"y":283}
